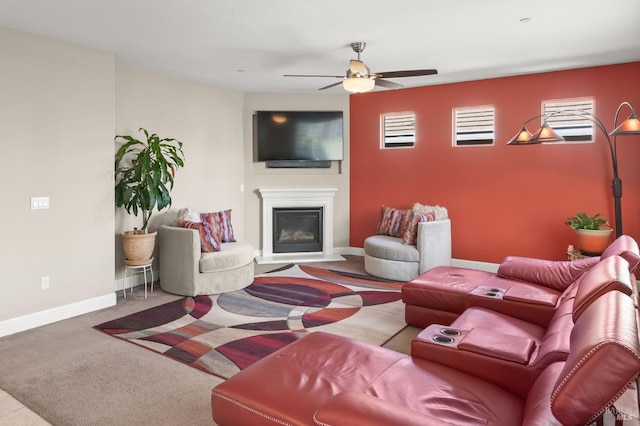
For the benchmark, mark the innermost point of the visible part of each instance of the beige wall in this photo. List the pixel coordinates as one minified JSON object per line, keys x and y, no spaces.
{"x":56,"y":109}
{"x":61,"y":106}
{"x":208,"y":121}
{"x":257,"y":176}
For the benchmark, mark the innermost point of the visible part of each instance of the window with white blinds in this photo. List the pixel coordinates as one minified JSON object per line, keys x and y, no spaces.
{"x":474,"y":126}
{"x":566,"y":119}
{"x":398,"y":130}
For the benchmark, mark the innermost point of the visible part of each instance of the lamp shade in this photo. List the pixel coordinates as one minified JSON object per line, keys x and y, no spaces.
{"x":521,"y":138}
{"x":630,"y":126}
{"x":545,"y":134}
{"x":358,"y":84}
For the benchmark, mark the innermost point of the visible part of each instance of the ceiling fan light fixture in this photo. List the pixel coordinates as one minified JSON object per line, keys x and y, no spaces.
{"x":358,"y":84}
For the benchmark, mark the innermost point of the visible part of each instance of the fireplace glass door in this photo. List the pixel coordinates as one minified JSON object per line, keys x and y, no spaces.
{"x":297,"y":230}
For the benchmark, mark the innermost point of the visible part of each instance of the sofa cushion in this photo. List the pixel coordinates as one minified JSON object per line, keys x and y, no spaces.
{"x":390,"y":248}
{"x":230,"y":256}
{"x":288,"y":386}
{"x":209,"y":239}
{"x":555,"y":274}
{"x":486,"y":319}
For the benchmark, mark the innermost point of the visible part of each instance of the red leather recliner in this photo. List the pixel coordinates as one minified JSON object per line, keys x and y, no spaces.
{"x":324,"y":379}
{"x":512,"y":352}
{"x":526,"y":288}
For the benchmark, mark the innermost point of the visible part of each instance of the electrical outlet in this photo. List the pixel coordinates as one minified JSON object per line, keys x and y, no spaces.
{"x":44,"y":282}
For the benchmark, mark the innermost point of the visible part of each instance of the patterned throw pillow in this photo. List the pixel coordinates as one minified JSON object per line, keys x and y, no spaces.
{"x":439,"y":212}
{"x":209,"y":240}
{"x":411,"y":233}
{"x":393,"y":222}
{"x":221,"y":223}
{"x":187,"y":214}
{"x":422,"y":213}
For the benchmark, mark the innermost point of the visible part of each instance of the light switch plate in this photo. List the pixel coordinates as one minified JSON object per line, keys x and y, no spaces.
{"x":39,"y":203}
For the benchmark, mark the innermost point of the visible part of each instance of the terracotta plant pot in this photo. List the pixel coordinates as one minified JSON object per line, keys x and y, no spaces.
{"x":138,"y":247}
{"x":593,"y":242}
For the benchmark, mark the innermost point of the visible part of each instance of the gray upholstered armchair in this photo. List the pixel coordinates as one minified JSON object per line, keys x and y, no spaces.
{"x":185,"y":270}
{"x":387,"y":257}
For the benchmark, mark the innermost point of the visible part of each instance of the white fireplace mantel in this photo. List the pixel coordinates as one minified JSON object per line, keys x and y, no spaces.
{"x":297,"y":197}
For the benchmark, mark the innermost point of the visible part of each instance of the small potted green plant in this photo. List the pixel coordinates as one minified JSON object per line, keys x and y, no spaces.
{"x":591,"y":231}
{"x":144,"y":174}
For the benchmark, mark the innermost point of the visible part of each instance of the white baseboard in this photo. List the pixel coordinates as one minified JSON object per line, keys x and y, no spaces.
{"x":460,"y":263}
{"x":137,"y":280}
{"x":353,"y":251}
{"x":37,"y":319}
{"x":297,"y":258}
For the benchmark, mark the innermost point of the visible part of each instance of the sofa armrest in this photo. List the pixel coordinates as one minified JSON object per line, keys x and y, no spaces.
{"x":556,"y":274}
{"x":356,"y":408}
{"x":434,"y":244}
{"x":179,"y":257}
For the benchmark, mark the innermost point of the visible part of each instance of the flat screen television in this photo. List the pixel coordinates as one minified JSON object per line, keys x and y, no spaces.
{"x":299,"y":136}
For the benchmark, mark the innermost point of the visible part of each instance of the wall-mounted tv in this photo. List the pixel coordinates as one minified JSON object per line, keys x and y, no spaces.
{"x":299,"y":136}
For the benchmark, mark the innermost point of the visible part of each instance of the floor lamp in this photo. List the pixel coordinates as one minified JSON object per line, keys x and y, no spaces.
{"x":630,"y":126}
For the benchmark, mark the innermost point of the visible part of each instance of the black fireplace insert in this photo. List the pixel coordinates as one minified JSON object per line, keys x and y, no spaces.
{"x":297,"y":229}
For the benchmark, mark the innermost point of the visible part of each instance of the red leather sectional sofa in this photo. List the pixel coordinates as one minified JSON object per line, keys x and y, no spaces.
{"x":488,"y":365}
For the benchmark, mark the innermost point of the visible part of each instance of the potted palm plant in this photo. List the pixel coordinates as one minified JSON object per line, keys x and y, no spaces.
{"x":144,"y":174}
{"x":591,"y":232}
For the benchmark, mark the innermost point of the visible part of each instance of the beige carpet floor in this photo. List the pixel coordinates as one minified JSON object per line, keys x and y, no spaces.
{"x":71,"y":374}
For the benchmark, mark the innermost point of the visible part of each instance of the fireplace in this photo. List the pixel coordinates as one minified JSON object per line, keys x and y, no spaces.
{"x":311,"y":239}
{"x":297,"y":230}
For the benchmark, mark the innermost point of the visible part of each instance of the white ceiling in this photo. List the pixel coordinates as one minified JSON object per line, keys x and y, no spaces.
{"x":249,"y":44}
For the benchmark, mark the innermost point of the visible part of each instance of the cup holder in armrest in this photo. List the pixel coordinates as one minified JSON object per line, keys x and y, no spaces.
{"x":442,"y":339}
{"x":492,"y":292}
{"x":449,"y":332}
{"x":439,"y":334}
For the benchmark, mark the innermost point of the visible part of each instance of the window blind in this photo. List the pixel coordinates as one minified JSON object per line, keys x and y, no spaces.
{"x":474,"y":126}
{"x":569,"y":125}
{"x":399,"y":130}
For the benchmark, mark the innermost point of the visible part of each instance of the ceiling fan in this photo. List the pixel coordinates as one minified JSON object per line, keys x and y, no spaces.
{"x":359,"y":79}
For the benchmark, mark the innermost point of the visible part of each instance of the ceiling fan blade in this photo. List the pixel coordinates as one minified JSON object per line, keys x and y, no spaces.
{"x":331,"y":85}
{"x":411,"y":73}
{"x":389,"y":84}
{"x":313,"y":75}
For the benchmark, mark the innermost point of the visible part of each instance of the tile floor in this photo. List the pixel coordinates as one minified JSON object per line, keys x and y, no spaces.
{"x":13,"y":413}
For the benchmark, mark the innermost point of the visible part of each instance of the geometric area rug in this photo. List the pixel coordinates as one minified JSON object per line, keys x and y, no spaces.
{"x":224,"y":333}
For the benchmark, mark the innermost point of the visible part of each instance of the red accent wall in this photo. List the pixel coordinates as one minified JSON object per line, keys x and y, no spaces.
{"x":502,"y":200}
